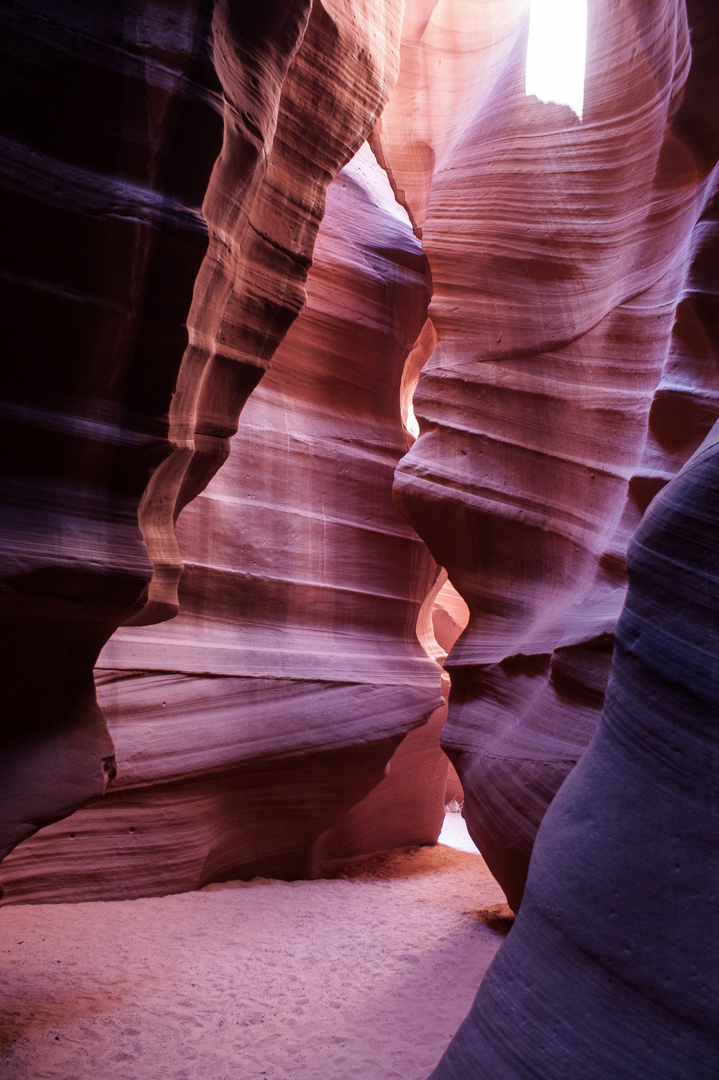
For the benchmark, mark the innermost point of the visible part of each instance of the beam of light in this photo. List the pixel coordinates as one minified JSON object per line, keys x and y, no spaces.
{"x":556,"y":52}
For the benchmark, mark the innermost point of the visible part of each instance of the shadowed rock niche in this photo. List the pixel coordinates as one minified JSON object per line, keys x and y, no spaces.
{"x":118,"y":119}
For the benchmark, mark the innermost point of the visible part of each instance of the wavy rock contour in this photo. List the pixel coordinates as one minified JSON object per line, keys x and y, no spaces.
{"x":559,"y":251}
{"x":115,"y":121}
{"x":610,"y":969}
{"x":103,"y":241}
{"x":254,"y":721}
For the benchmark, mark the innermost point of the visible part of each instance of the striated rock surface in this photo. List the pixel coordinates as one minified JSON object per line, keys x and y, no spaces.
{"x":115,"y":119}
{"x":568,"y":370}
{"x":611,"y":967}
{"x":255,"y":720}
{"x":303,"y":85}
{"x":559,"y":251}
{"x":102,"y":242}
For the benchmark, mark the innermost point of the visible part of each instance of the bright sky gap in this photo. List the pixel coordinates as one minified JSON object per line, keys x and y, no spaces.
{"x":556,"y":52}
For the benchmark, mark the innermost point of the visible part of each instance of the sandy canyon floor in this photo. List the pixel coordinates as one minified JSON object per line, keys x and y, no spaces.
{"x":366,"y":975}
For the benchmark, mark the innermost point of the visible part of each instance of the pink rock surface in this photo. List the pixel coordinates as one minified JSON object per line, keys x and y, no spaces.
{"x":558,"y":251}
{"x":303,"y":85}
{"x":252,"y":722}
{"x":110,"y":141}
{"x":611,"y":967}
{"x":573,"y":370}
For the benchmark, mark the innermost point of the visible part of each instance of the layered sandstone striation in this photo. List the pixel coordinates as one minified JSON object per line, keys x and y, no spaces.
{"x":272,"y":692}
{"x":255,"y":720}
{"x":303,"y":83}
{"x":103,"y":240}
{"x":557,"y":400}
{"x":610,"y":969}
{"x":122,"y":122}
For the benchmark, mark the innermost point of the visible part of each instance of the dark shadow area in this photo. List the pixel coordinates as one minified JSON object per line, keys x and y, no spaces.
{"x":498,"y":917}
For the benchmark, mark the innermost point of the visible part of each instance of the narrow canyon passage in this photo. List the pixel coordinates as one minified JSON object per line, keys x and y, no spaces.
{"x":352,"y":353}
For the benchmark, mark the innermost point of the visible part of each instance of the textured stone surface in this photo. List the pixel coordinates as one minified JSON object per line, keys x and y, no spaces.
{"x":558,"y":251}
{"x":116,"y":117}
{"x":303,"y":85}
{"x":573,"y":370}
{"x":611,"y":967}
{"x":102,"y":242}
{"x":252,"y":722}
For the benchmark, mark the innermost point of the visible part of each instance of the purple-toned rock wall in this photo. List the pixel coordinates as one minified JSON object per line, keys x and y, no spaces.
{"x":611,"y":967}
{"x":103,"y":241}
{"x":170,"y":172}
{"x":255,"y":720}
{"x":166,"y":171}
{"x":574,"y":372}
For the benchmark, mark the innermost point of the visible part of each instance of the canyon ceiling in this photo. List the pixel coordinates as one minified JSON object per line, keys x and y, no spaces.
{"x":246,"y":245}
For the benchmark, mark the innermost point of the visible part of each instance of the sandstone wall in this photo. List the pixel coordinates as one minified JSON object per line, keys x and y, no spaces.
{"x":610,"y":969}
{"x":103,"y":242}
{"x":556,"y":401}
{"x":251,"y":723}
{"x":119,"y":414}
{"x":573,"y":371}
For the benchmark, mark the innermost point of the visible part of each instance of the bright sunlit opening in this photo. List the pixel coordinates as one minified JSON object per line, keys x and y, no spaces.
{"x":556,"y":52}
{"x":455,"y":835}
{"x":411,"y":422}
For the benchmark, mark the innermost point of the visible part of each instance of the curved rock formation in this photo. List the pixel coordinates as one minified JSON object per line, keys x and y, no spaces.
{"x":559,"y":251}
{"x":103,"y":240}
{"x":573,"y":370}
{"x":115,"y":120}
{"x":611,"y":967}
{"x":254,"y":721}
{"x":303,"y":85}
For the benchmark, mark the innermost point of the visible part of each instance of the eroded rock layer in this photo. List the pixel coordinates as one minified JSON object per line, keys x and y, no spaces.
{"x":559,"y":252}
{"x":610,"y":969}
{"x":254,"y":721}
{"x":102,"y":242}
{"x":116,"y":116}
{"x":303,"y":85}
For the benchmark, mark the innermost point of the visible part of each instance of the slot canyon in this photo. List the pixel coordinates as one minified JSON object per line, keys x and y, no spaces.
{"x":360,"y":454}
